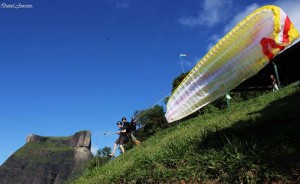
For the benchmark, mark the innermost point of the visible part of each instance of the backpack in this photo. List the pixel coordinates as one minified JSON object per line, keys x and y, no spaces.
{"x":133,"y":126}
{"x":127,"y":126}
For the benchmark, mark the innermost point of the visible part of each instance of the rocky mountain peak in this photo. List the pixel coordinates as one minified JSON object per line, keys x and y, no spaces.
{"x":48,"y":160}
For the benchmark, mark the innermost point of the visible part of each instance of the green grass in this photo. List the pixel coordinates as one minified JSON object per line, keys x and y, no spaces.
{"x":256,"y":141}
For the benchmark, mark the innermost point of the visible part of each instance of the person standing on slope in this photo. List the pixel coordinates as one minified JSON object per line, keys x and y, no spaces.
{"x":274,"y":83}
{"x":121,"y":139}
{"x":130,"y":127}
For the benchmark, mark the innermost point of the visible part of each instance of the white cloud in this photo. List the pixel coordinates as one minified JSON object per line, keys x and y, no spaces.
{"x":213,"y":40}
{"x":240,"y":16}
{"x":94,"y":149}
{"x":234,"y":21}
{"x":211,"y":13}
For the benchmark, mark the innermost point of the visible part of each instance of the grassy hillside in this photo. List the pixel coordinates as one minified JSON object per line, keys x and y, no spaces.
{"x":257,"y":141}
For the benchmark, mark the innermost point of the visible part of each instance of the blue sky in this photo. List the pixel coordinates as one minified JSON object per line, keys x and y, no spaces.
{"x":71,"y":65}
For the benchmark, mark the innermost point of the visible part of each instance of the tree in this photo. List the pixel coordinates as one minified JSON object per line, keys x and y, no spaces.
{"x":175,"y":84}
{"x":178,"y":80}
{"x":151,"y":120}
{"x":104,"y":152}
{"x":101,"y":157}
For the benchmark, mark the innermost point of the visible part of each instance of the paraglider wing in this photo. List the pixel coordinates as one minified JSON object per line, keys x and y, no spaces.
{"x":244,"y":51}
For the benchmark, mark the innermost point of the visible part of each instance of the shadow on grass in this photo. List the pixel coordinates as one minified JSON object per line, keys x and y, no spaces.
{"x":268,"y":144}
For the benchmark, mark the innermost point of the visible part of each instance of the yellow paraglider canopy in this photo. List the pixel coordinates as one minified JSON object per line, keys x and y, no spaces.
{"x":244,"y":51}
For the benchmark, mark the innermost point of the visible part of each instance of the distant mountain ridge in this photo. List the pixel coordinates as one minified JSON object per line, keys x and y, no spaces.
{"x":47,"y":160}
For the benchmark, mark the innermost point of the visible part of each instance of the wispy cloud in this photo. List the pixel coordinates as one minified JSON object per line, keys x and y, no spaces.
{"x":240,"y":16}
{"x":211,"y":13}
{"x":189,"y":62}
{"x":213,"y":39}
{"x":94,"y":149}
{"x":231,"y":24}
{"x":121,"y":4}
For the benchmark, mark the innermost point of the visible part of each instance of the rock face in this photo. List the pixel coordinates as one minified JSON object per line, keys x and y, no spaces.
{"x":47,"y":160}
{"x":81,"y":139}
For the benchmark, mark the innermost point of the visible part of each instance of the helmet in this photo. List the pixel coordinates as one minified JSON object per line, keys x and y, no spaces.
{"x":119,"y":123}
{"x":123,"y":118}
